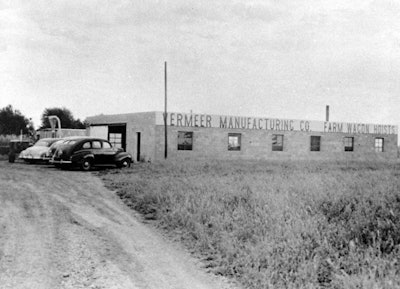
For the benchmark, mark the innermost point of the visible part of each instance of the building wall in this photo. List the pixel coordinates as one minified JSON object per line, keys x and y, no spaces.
{"x":210,"y":137}
{"x":212,"y":143}
{"x":100,"y":131}
{"x":48,"y":133}
{"x":142,"y":122}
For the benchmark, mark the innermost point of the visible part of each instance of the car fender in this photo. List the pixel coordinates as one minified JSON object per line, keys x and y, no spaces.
{"x":122,"y":155}
{"x":81,"y":158}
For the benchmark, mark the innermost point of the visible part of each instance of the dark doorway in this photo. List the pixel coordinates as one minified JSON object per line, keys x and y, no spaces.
{"x":138,"y":146}
{"x":117,"y":135}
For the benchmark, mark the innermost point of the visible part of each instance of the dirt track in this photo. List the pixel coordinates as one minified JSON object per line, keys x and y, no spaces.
{"x":63,"y":229}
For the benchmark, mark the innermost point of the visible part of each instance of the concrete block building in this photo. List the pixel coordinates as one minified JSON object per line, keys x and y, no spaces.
{"x":201,"y":136}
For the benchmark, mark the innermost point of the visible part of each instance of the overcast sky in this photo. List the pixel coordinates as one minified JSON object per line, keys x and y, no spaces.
{"x":267,"y":58}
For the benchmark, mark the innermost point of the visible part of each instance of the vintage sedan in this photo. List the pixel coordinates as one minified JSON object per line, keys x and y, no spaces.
{"x":87,"y":153}
{"x":52,"y":149}
{"x":38,"y":151}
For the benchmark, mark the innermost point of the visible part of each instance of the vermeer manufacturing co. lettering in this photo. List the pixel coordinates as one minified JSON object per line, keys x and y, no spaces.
{"x":230,"y":122}
{"x":274,"y":124}
{"x":192,"y":120}
{"x":258,"y":123}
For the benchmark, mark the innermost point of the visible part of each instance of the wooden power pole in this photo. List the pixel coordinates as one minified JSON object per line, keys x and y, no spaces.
{"x":165,"y":111}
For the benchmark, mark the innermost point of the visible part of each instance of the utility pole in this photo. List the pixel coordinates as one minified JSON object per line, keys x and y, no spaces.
{"x":165,"y":111}
{"x":327,"y":113}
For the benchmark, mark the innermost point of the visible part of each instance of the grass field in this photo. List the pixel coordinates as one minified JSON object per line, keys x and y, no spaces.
{"x":277,"y":224}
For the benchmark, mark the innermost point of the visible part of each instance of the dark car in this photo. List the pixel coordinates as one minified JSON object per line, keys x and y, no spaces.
{"x":52,"y":149}
{"x":87,"y":153}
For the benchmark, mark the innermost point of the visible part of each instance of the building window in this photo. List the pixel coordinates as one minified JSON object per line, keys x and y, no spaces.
{"x":349,"y":144}
{"x":277,"y":142}
{"x":185,"y":140}
{"x":234,"y":141}
{"x":379,"y":144}
{"x":315,"y":143}
{"x":115,"y":139}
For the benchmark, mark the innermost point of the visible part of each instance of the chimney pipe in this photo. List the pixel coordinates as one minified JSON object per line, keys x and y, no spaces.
{"x":327,"y":113}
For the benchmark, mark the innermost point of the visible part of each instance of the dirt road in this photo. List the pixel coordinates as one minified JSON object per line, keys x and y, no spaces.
{"x":64,"y":229}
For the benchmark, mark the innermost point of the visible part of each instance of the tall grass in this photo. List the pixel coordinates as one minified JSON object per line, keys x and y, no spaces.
{"x":277,"y":224}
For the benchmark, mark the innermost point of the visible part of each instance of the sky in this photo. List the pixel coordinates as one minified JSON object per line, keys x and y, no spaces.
{"x":267,"y":58}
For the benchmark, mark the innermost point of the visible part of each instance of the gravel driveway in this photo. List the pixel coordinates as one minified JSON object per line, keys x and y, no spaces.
{"x":64,"y":229}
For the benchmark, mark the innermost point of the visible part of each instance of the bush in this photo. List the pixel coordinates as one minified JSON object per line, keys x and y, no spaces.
{"x":4,"y":149}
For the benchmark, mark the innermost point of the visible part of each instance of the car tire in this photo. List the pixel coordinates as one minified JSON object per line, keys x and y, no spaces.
{"x":125,"y":163}
{"x":87,"y":165}
{"x":11,"y":158}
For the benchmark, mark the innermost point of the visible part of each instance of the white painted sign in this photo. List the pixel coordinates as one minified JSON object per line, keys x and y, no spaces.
{"x":273,"y":124}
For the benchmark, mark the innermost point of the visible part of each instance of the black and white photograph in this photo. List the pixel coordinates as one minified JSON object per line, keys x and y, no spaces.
{"x":159,"y":144}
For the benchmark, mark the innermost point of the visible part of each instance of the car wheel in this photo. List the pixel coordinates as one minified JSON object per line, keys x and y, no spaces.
{"x":125,"y":163}
{"x":11,"y":158}
{"x":87,"y":165}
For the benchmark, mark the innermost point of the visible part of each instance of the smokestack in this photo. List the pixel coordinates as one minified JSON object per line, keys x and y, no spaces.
{"x":327,"y":113}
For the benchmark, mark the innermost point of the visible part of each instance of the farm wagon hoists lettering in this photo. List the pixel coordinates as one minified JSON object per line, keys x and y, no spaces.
{"x":236,"y":122}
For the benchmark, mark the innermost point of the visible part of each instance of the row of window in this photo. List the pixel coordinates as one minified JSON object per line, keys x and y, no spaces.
{"x":185,"y":142}
{"x":95,"y":144}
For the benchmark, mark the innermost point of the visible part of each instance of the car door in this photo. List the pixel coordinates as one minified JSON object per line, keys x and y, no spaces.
{"x":80,"y":151}
{"x":97,"y":151}
{"x":108,"y":153}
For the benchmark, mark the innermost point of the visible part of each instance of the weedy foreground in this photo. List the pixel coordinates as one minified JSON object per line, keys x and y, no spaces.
{"x":277,"y":224}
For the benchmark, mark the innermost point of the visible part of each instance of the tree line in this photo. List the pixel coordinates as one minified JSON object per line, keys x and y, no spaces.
{"x":13,"y":122}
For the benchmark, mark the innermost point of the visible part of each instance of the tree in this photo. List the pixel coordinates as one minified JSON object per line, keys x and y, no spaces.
{"x":65,"y":116}
{"x":12,"y":122}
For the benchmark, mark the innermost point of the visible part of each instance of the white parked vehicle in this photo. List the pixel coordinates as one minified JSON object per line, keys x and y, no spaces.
{"x":39,"y":151}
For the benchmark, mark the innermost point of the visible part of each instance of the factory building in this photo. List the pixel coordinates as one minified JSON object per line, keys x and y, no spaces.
{"x":202,"y":136}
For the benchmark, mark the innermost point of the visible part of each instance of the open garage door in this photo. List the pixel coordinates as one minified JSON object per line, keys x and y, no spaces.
{"x":117,"y":135}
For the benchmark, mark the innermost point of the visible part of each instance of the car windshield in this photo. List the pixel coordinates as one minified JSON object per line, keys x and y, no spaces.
{"x":42,"y":143}
{"x":70,"y":142}
{"x":57,"y":143}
